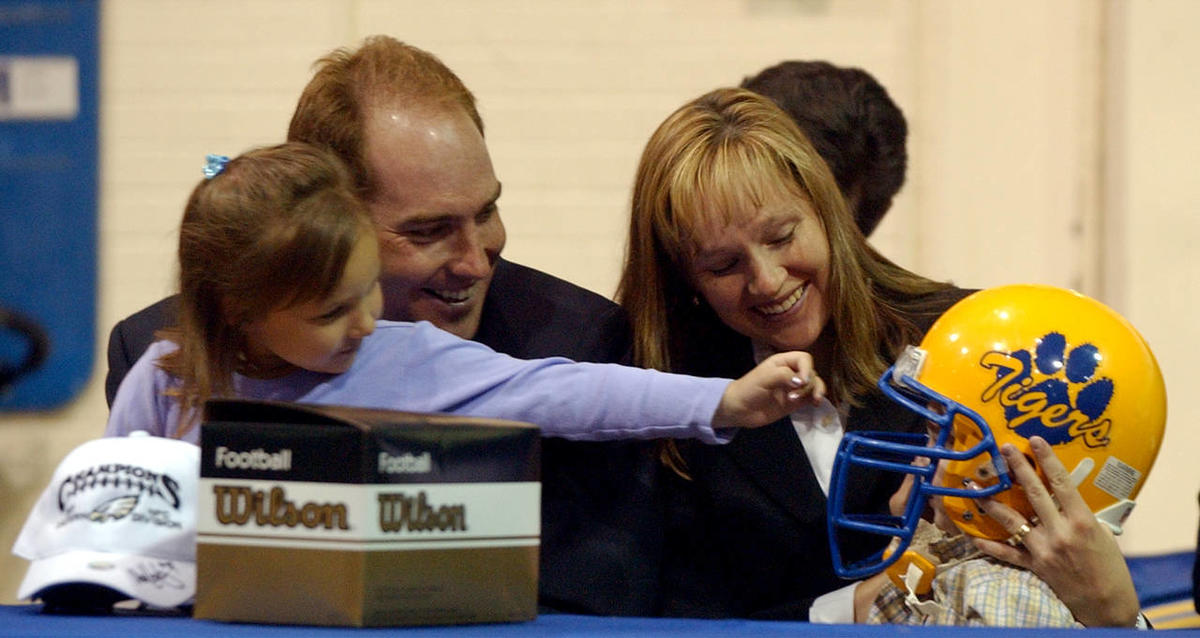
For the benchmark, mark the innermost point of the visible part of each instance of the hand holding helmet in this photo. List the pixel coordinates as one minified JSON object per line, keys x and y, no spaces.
{"x":1066,"y":545}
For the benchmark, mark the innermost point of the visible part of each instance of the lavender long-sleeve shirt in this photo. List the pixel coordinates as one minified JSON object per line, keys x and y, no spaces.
{"x":416,"y":367}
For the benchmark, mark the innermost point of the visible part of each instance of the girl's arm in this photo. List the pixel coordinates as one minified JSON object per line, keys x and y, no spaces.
{"x":419,"y":368}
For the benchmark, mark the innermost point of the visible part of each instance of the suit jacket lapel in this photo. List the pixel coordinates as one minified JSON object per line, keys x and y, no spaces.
{"x":773,"y":458}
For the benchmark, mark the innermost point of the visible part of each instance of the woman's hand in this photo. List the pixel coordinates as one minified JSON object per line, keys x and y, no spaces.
{"x":772,"y":390}
{"x":1067,"y":547}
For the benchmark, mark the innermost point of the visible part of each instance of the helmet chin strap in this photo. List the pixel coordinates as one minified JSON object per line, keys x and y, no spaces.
{"x":1114,"y":515}
{"x":934,"y":551}
{"x":917,"y":583}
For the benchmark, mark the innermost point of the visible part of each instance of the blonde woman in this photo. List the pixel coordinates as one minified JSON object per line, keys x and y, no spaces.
{"x":740,"y":246}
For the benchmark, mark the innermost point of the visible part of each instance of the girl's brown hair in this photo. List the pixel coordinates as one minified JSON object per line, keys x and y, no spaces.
{"x":273,"y":229}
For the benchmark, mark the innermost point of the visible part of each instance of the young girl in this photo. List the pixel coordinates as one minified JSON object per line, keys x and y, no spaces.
{"x":279,"y":299}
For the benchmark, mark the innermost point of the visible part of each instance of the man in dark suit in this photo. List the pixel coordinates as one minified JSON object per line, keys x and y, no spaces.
{"x":410,"y":133}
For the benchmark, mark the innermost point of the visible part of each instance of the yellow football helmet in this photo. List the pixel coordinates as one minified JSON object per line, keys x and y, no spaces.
{"x":1000,"y":366}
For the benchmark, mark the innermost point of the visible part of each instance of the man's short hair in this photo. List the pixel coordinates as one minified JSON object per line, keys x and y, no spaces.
{"x":348,"y":83}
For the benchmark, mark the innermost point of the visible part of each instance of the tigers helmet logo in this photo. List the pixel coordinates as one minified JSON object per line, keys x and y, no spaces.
{"x":1052,"y":391}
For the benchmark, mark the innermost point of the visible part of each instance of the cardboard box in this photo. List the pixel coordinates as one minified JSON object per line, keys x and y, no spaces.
{"x":341,"y":516}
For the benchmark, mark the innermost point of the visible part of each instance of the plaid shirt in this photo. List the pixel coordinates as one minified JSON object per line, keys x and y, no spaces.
{"x":972,"y":589}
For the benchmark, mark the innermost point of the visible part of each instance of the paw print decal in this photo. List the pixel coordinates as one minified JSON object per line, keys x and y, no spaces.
{"x":1052,"y":391}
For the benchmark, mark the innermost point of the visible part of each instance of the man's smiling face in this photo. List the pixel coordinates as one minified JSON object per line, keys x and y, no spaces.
{"x":434,"y":208}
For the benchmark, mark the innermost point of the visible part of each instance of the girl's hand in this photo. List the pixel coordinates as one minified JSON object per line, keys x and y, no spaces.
{"x":772,"y":390}
{"x":1066,"y":546}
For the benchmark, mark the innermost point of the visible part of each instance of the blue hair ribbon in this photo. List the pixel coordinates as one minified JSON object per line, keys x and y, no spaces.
{"x":214,"y":164}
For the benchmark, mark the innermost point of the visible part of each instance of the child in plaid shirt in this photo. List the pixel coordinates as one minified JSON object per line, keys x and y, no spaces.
{"x":944,"y":578}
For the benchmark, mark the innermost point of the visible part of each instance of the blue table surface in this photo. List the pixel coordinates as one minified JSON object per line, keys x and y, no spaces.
{"x":1159,"y":578}
{"x":28,"y":620}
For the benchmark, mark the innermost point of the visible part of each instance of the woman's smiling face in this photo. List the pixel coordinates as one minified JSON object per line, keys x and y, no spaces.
{"x":765,"y":270}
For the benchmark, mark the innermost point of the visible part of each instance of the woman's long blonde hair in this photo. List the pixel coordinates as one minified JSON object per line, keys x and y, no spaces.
{"x":273,"y":229}
{"x":710,"y":157}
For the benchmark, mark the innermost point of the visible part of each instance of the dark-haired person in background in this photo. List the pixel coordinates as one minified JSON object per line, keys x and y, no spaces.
{"x":852,"y":122}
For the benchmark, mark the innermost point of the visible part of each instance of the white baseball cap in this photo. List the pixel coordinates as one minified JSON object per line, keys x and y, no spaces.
{"x":119,"y":519}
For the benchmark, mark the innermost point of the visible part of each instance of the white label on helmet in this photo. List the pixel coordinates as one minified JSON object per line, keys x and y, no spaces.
{"x":1118,"y":478}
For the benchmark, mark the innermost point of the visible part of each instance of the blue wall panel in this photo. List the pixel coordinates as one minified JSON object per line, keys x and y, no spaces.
{"x":49,"y":70}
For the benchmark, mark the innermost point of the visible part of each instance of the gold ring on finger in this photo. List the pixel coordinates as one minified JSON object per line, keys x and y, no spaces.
{"x":1018,"y":537}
